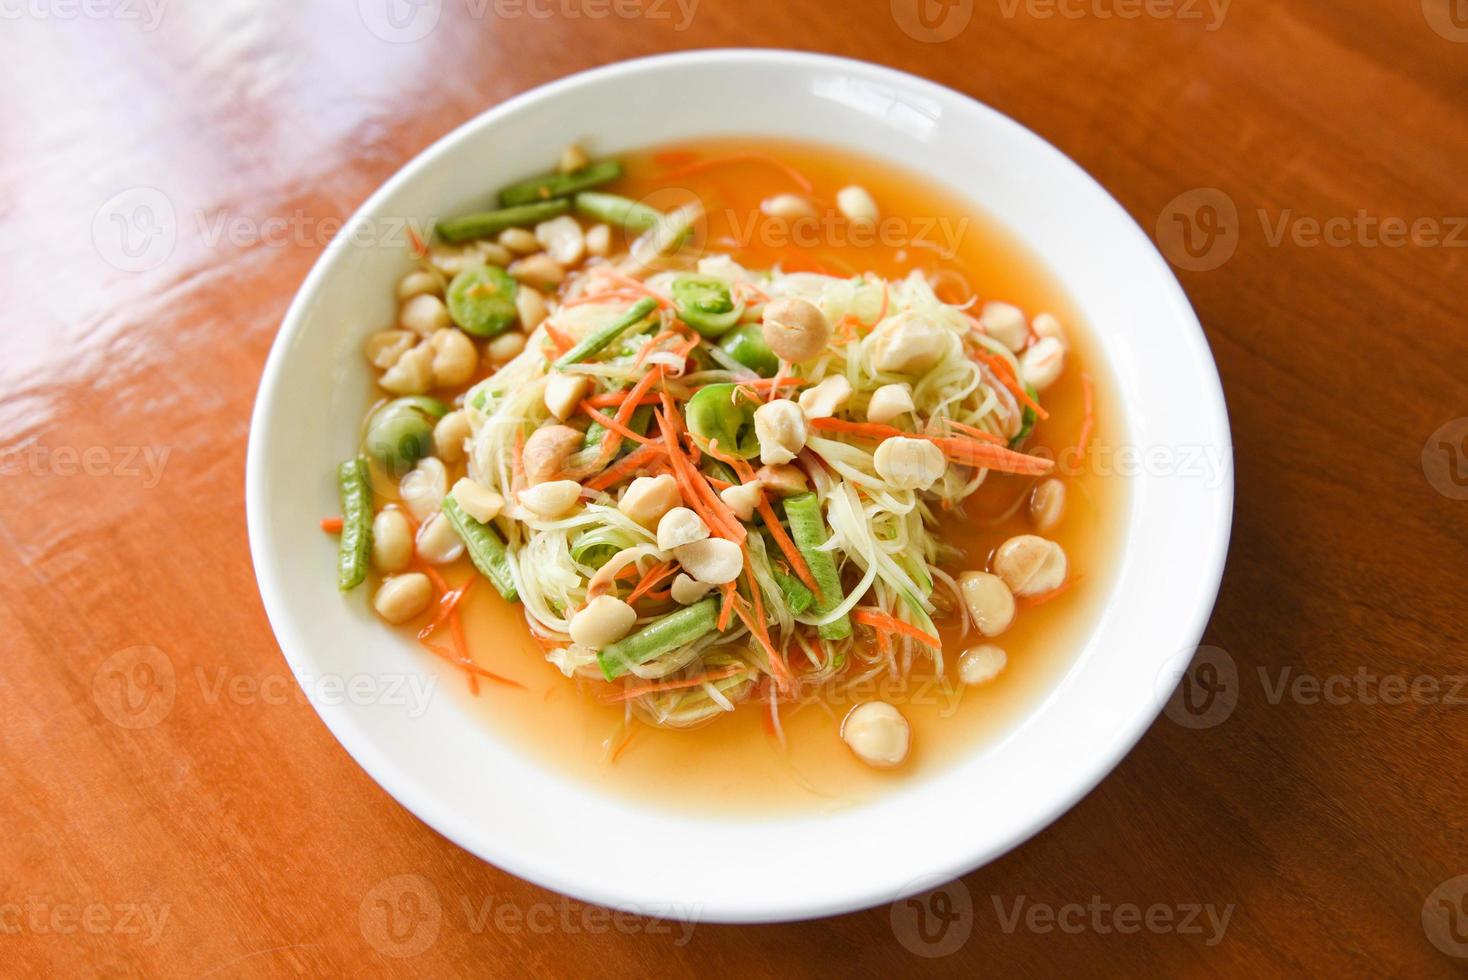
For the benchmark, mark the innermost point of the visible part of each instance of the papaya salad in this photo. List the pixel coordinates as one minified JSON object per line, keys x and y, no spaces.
{"x":709,"y":488}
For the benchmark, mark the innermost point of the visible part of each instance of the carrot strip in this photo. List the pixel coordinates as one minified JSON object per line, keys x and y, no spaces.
{"x":965,"y":451}
{"x":472,"y":668}
{"x":415,"y":242}
{"x":614,"y":425}
{"x":625,"y":467}
{"x":628,"y":693}
{"x":787,"y":546}
{"x":970,"y":430}
{"x":1006,"y":377}
{"x":702,"y":165}
{"x":331,"y":525}
{"x":877,"y":618}
{"x":614,"y":399}
{"x":726,"y":608}
{"x":622,"y":745}
{"x":560,"y":339}
{"x":1088,"y":395}
{"x":1029,"y":601}
{"x":448,"y":603}
{"x":654,"y":575}
{"x":778,"y":669}
{"x":610,"y":296}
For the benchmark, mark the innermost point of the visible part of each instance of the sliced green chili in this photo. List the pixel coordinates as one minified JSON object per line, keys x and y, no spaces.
{"x":724,"y":412}
{"x":594,"y":344}
{"x":808,"y":531}
{"x":747,"y":346}
{"x":481,"y":300}
{"x":560,"y":185}
{"x":487,"y":223}
{"x":485,"y":546}
{"x":354,"y":486}
{"x":707,"y":304}
{"x":659,"y":637}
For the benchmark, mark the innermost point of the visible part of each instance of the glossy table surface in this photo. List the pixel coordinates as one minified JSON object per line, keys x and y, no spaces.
{"x":174,"y":807}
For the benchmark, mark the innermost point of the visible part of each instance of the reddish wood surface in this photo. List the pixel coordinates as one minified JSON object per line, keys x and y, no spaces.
{"x":257,"y":847}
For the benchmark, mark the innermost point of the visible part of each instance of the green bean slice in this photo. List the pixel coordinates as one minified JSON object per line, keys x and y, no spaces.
{"x":596,"y":342}
{"x":354,"y":486}
{"x":485,"y":546}
{"x":481,"y":300}
{"x":707,"y":304}
{"x":488,"y":223}
{"x":808,"y":531}
{"x":560,"y":185}
{"x":724,"y":412}
{"x":659,"y":637}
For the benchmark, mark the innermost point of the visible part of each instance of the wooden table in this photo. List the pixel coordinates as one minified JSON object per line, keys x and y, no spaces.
{"x":174,"y":807}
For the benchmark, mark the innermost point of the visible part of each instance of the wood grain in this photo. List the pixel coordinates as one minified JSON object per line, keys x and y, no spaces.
{"x":225,"y":833}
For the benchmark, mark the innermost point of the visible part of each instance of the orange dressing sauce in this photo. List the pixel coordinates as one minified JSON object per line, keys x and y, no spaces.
{"x":733,"y":763}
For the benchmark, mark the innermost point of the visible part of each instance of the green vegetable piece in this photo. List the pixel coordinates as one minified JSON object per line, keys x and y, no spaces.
{"x":706,"y":304}
{"x":593,"y":345}
{"x":488,"y":223}
{"x":401,"y":432}
{"x":808,"y":531}
{"x":481,"y":300}
{"x":354,"y":486}
{"x":793,"y":591}
{"x":640,"y":422}
{"x":485,"y":546}
{"x":560,"y":185}
{"x":659,"y":637}
{"x":724,"y":412}
{"x":594,"y":547}
{"x":747,"y":346}
{"x":617,"y":210}
{"x":1027,"y":420}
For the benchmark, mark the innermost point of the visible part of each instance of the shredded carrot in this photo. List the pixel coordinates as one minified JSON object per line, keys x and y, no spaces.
{"x":434,"y":577}
{"x":628,"y":465}
{"x":610,"y":296}
{"x":648,"y":347}
{"x":970,"y":430}
{"x":654,"y":575}
{"x":622,"y":745}
{"x":415,"y":242}
{"x":701,"y":165}
{"x":697,"y":494}
{"x":447,"y":605}
{"x":628,"y":693}
{"x":1006,"y":377}
{"x":615,"y":399}
{"x":632,"y":285}
{"x":777,"y":664}
{"x":1028,"y":601}
{"x":473,"y":668}
{"x":1088,"y":395}
{"x":560,"y":339}
{"x":787,"y":546}
{"x":614,"y":425}
{"x":332,"y":525}
{"x":726,"y":608}
{"x":965,"y":451}
{"x":876,"y":618}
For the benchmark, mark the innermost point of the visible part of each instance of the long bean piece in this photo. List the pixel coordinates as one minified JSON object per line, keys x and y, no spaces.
{"x":488,"y":223}
{"x":659,"y":637}
{"x":354,"y":486}
{"x":808,"y":531}
{"x":485,"y":546}
{"x":560,"y":185}
{"x":596,"y":342}
{"x":617,"y":210}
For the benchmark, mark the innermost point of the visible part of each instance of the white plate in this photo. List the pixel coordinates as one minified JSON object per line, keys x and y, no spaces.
{"x":451,"y":771}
